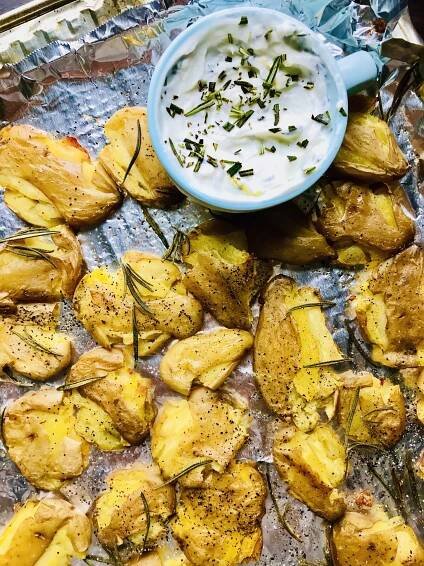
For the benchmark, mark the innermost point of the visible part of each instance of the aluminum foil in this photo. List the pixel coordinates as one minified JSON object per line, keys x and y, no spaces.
{"x":72,"y":89}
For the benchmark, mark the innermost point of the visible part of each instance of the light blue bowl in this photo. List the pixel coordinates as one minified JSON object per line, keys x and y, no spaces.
{"x":347,"y":74}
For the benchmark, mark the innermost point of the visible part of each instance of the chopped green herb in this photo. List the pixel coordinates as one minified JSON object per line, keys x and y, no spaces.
{"x":200,"y":107}
{"x":322,"y":118}
{"x":261,"y":103}
{"x":235,"y":168}
{"x":309,"y":170}
{"x":275,"y":130}
{"x":215,"y":145}
{"x":175,"y":152}
{"x":228,"y":126}
{"x":243,"y":21}
{"x":342,"y":111}
{"x":173,"y":109}
{"x":268,"y":34}
{"x":267,"y":84}
{"x":212,"y":161}
{"x":246,"y":173}
{"x":230,"y":38}
{"x":252,"y":72}
{"x":303,"y":143}
{"x":211,"y":86}
{"x":271,"y":149}
{"x":245,"y":86}
{"x":291,"y":157}
{"x":135,"y":154}
{"x":261,"y":149}
{"x":226,"y":85}
{"x":222,"y":75}
{"x":241,"y":121}
{"x":276,"y":110}
{"x":292,"y":128}
{"x":202,"y":85}
{"x":228,"y":58}
{"x":309,"y":85}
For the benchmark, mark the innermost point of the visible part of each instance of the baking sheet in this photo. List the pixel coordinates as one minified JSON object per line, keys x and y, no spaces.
{"x":72,"y":89}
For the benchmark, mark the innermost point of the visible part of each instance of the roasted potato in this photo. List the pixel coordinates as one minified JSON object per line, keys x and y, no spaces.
{"x":313,"y":464}
{"x":105,"y":305}
{"x":370,"y":537}
{"x":388,"y":303}
{"x":50,"y":181}
{"x":379,"y":410}
{"x":147,"y":181}
{"x":369,"y":151}
{"x":46,"y":532}
{"x":40,"y":436}
{"x":124,"y":394}
{"x":363,"y":221}
{"x":289,"y":338}
{"x":222,"y":274}
{"x":164,"y":556}
{"x":120,"y":516}
{"x":207,"y":358}
{"x":284,"y":233}
{"x":206,"y":427}
{"x":30,"y":344}
{"x":414,"y":379}
{"x":218,"y":524}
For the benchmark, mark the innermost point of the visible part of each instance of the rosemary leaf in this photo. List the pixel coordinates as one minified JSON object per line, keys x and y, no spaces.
{"x":2,"y":417}
{"x":28,"y":233}
{"x":29,"y":340}
{"x":310,"y":305}
{"x":322,"y":118}
{"x":100,"y":559}
{"x":380,"y":479}
{"x":413,"y":484}
{"x":269,"y":81}
{"x":184,"y":472}
{"x":135,"y":154}
{"x":147,"y":513}
{"x":200,"y":107}
{"x":80,"y":383}
{"x":281,"y":516}
{"x":32,"y":253}
{"x":131,"y":279}
{"x":379,"y":410}
{"x":174,"y":252}
{"x":135,"y":333}
{"x":351,"y":414}
{"x":175,"y":152}
{"x":154,"y":226}
{"x":328,"y":363}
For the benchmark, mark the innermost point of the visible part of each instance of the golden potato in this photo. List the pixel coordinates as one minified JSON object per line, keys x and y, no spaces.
{"x":30,"y":349}
{"x":205,"y":427}
{"x":119,"y":512}
{"x":222,"y":274}
{"x":125,"y":395}
{"x":147,"y":181}
{"x":313,"y":464}
{"x":284,"y":233}
{"x":369,"y":536}
{"x":105,"y":305}
{"x":288,"y":340}
{"x":388,"y":302}
{"x":379,"y":416}
{"x":39,"y":433}
{"x":369,"y":151}
{"x":164,"y":556}
{"x":50,"y":181}
{"x":46,"y":532}
{"x":218,"y":524}
{"x":35,"y":277}
{"x":373,"y":218}
{"x":207,"y":358}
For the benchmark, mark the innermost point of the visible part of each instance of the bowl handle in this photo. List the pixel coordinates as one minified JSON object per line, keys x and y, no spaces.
{"x":357,"y":70}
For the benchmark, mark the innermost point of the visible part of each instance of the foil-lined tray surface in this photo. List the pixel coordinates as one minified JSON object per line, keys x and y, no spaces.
{"x":72,"y":89}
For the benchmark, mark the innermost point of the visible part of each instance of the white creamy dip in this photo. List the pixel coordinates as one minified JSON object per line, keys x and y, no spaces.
{"x":246,"y":110}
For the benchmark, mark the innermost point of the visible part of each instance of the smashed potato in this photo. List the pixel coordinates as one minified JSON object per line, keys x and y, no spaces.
{"x":119,"y":513}
{"x":50,"y":181}
{"x":164,"y":556}
{"x":388,"y":302}
{"x":369,"y":536}
{"x":124,"y":394}
{"x":313,"y":464}
{"x":46,"y":532}
{"x":28,"y":276}
{"x":147,"y":181}
{"x":369,"y":151}
{"x":40,"y":436}
{"x":218,"y":524}
{"x":284,"y":233}
{"x":362,"y":220}
{"x":288,"y":340}
{"x":379,"y":415}
{"x":206,"y":427}
{"x":222,"y":274}
{"x":105,"y":305}
{"x":207,"y":358}
{"x":30,"y":344}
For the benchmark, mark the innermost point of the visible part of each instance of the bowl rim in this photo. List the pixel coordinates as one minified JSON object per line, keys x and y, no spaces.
{"x":168,"y":59}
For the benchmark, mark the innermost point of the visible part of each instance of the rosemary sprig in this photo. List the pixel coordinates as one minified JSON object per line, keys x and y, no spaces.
{"x":174,"y":252}
{"x":32,"y":253}
{"x":328,"y":363}
{"x":310,"y":305}
{"x":380,"y":479}
{"x":135,"y":333}
{"x":80,"y":383}
{"x":200,"y":107}
{"x":355,"y":445}
{"x":281,"y":516}
{"x":29,"y":340}
{"x":135,"y":154}
{"x":28,"y":233}
{"x":409,"y":80}
{"x":184,"y":472}
{"x":132,"y":279}
{"x":154,"y":226}
{"x":147,"y":513}
{"x":180,"y":159}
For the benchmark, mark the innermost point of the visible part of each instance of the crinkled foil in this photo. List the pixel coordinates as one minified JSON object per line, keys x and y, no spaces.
{"x":72,"y":89}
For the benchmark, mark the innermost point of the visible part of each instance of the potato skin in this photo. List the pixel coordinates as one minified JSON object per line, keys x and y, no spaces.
{"x":369,"y":215}
{"x":222,"y":274}
{"x":388,"y":302}
{"x":207,"y":357}
{"x":49,"y":181}
{"x":105,"y":307}
{"x":369,"y":151}
{"x":218,"y":524}
{"x":28,"y":535}
{"x":147,"y":180}
{"x":122,"y":392}
{"x":313,"y":464}
{"x":39,"y":432}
